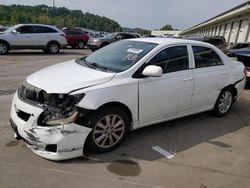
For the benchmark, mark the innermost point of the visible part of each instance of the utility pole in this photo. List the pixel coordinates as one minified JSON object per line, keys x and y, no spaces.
{"x":53,"y":4}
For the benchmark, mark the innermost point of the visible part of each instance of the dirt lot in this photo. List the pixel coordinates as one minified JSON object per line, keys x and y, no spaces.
{"x":210,"y":151}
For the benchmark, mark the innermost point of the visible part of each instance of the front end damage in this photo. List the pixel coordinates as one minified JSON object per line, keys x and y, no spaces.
{"x":49,"y":123}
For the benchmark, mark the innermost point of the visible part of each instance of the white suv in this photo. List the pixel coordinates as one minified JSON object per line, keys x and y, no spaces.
{"x":32,"y":36}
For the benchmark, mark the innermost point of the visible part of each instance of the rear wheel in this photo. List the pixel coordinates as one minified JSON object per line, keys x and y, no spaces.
{"x":104,"y":44}
{"x":4,"y":49}
{"x":81,"y":44}
{"x":224,"y":102}
{"x":53,"y":48}
{"x":110,"y":125}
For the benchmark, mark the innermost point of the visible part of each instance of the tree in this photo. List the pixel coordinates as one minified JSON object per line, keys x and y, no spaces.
{"x":167,"y":27}
{"x":61,"y":17}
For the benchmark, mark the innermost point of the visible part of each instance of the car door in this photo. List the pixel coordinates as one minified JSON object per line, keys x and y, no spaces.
{"x":169,"y":95}
{"x":210,"y":77}
{"x":22,"y":37}
{"x":42,"y":35}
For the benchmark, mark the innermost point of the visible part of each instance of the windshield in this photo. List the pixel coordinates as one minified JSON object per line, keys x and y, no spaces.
{"x":110,"y":35}
{"x":118,"y":56}
{"x":9,"y":29}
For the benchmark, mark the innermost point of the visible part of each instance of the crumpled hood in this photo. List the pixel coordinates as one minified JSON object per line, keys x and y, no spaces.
{"x":66,"y":77}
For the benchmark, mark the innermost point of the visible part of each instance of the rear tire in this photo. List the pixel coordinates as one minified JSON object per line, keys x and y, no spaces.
{"x":4,"y":48}
{"x":81,"y":44}
{"x":53,"y":48}
{"x":104,"y":44}
{"x":224,"y":102}
{"x":110,"y":126}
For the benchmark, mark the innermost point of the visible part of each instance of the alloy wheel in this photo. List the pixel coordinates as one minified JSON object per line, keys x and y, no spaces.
{"x":225,"y":102}
{"x":109,"y":131}
{"x":3,"y":48}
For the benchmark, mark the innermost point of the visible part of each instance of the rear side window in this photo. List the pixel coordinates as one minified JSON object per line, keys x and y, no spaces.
{"x":43,"y":29}
{"x":205,"y":57}
{"x":215,"y":42}
{"x":172,"y":59}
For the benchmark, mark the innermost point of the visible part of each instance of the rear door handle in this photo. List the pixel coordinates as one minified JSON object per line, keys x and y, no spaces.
{"x":188,"y":79}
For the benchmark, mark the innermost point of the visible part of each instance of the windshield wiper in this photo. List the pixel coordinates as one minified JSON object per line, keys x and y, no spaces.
{"x":98,"y":66}
{"x":94,"y":65}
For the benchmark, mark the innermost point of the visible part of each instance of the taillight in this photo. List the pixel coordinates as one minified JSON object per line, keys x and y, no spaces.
{"x":246,"y":70}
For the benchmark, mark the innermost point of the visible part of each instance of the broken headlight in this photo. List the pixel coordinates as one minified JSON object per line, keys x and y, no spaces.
{"x":60,"y":109}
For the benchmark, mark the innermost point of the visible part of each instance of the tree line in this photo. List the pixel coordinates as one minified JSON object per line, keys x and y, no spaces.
{"x":61,"y":17}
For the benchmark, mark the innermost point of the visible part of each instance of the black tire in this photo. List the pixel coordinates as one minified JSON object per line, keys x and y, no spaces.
{"x":73,"y":46}
{"x":53,"y":48}
{"x":224,"y":102}
{"x":92,"y":49}
{"x":4,"y":48}
{"x":81,"y":44}
{"x":99,"y":139}
{"x":104,"y":44}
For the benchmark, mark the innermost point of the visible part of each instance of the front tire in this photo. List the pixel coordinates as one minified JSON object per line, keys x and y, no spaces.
{"x":53,"y":48}
{"x":110,"y":126}
{"x":4,"y":48}
{"x":224,"y":102}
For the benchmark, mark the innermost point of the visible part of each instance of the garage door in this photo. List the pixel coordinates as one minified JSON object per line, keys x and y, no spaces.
{"x":227,"y":32}
{"x":234,"y":32}
{"x":243,"y":31}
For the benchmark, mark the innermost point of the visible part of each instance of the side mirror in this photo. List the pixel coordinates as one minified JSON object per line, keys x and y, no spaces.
{"x":14,"y":32}
{"x":152,"y":71}
{"x":118,"y":37}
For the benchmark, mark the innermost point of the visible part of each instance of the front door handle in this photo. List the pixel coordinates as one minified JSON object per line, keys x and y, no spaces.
{"x":223,"y":73}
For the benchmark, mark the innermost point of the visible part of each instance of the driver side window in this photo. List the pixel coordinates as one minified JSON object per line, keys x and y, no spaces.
{"x":172,"y":59}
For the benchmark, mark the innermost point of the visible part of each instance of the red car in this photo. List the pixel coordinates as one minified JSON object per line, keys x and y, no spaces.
{"x":76,"y":38}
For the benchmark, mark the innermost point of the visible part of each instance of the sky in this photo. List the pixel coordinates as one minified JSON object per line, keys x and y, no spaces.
{"x":147,"y":14}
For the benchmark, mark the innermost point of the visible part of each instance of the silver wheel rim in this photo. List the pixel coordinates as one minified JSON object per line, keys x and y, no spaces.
{"x":54,"y":48}
{"x":3,"y":48}
{"x":81,"y":45}
{"x":225,"y":102}
{"x":108,"y":131}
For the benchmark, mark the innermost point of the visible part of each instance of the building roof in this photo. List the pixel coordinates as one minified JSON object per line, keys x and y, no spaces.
{"x":238,"y":10}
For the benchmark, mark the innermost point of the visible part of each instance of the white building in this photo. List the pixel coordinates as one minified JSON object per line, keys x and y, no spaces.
{"x":233,"y":24}
{"x":166,"y":33}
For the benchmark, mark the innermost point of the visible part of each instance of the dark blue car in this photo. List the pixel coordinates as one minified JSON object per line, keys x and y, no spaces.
{"x":242,"y":55}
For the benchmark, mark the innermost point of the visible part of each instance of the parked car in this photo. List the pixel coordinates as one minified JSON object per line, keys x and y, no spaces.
{"x":239,"y":45}
{"x":32,"y":36}
{"x":96,"y":43}
{"x":95,"y":100}
{"x":242,"y":55}
{"x":217,"y":41}
{"x":76,"y":38}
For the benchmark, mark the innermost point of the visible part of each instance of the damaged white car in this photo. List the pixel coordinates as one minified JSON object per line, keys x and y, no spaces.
{"x":95,"y":100}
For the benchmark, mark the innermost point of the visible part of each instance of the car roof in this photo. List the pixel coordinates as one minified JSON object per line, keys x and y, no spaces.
{"x":29,"y":24}
{"x":166,"y":41}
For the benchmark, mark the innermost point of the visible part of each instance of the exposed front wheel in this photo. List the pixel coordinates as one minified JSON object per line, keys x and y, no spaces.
{"x":3,"y":48}
{"x":110,"y":126}
{"x":53,"y":48}
{"x":224,"y":102}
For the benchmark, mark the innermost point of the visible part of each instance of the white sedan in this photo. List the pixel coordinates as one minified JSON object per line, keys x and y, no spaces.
{"x":96,"y":100}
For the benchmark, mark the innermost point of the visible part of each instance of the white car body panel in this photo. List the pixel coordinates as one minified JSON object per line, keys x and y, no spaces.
{"x":60,"y":82}
{"x":184,"y":93}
